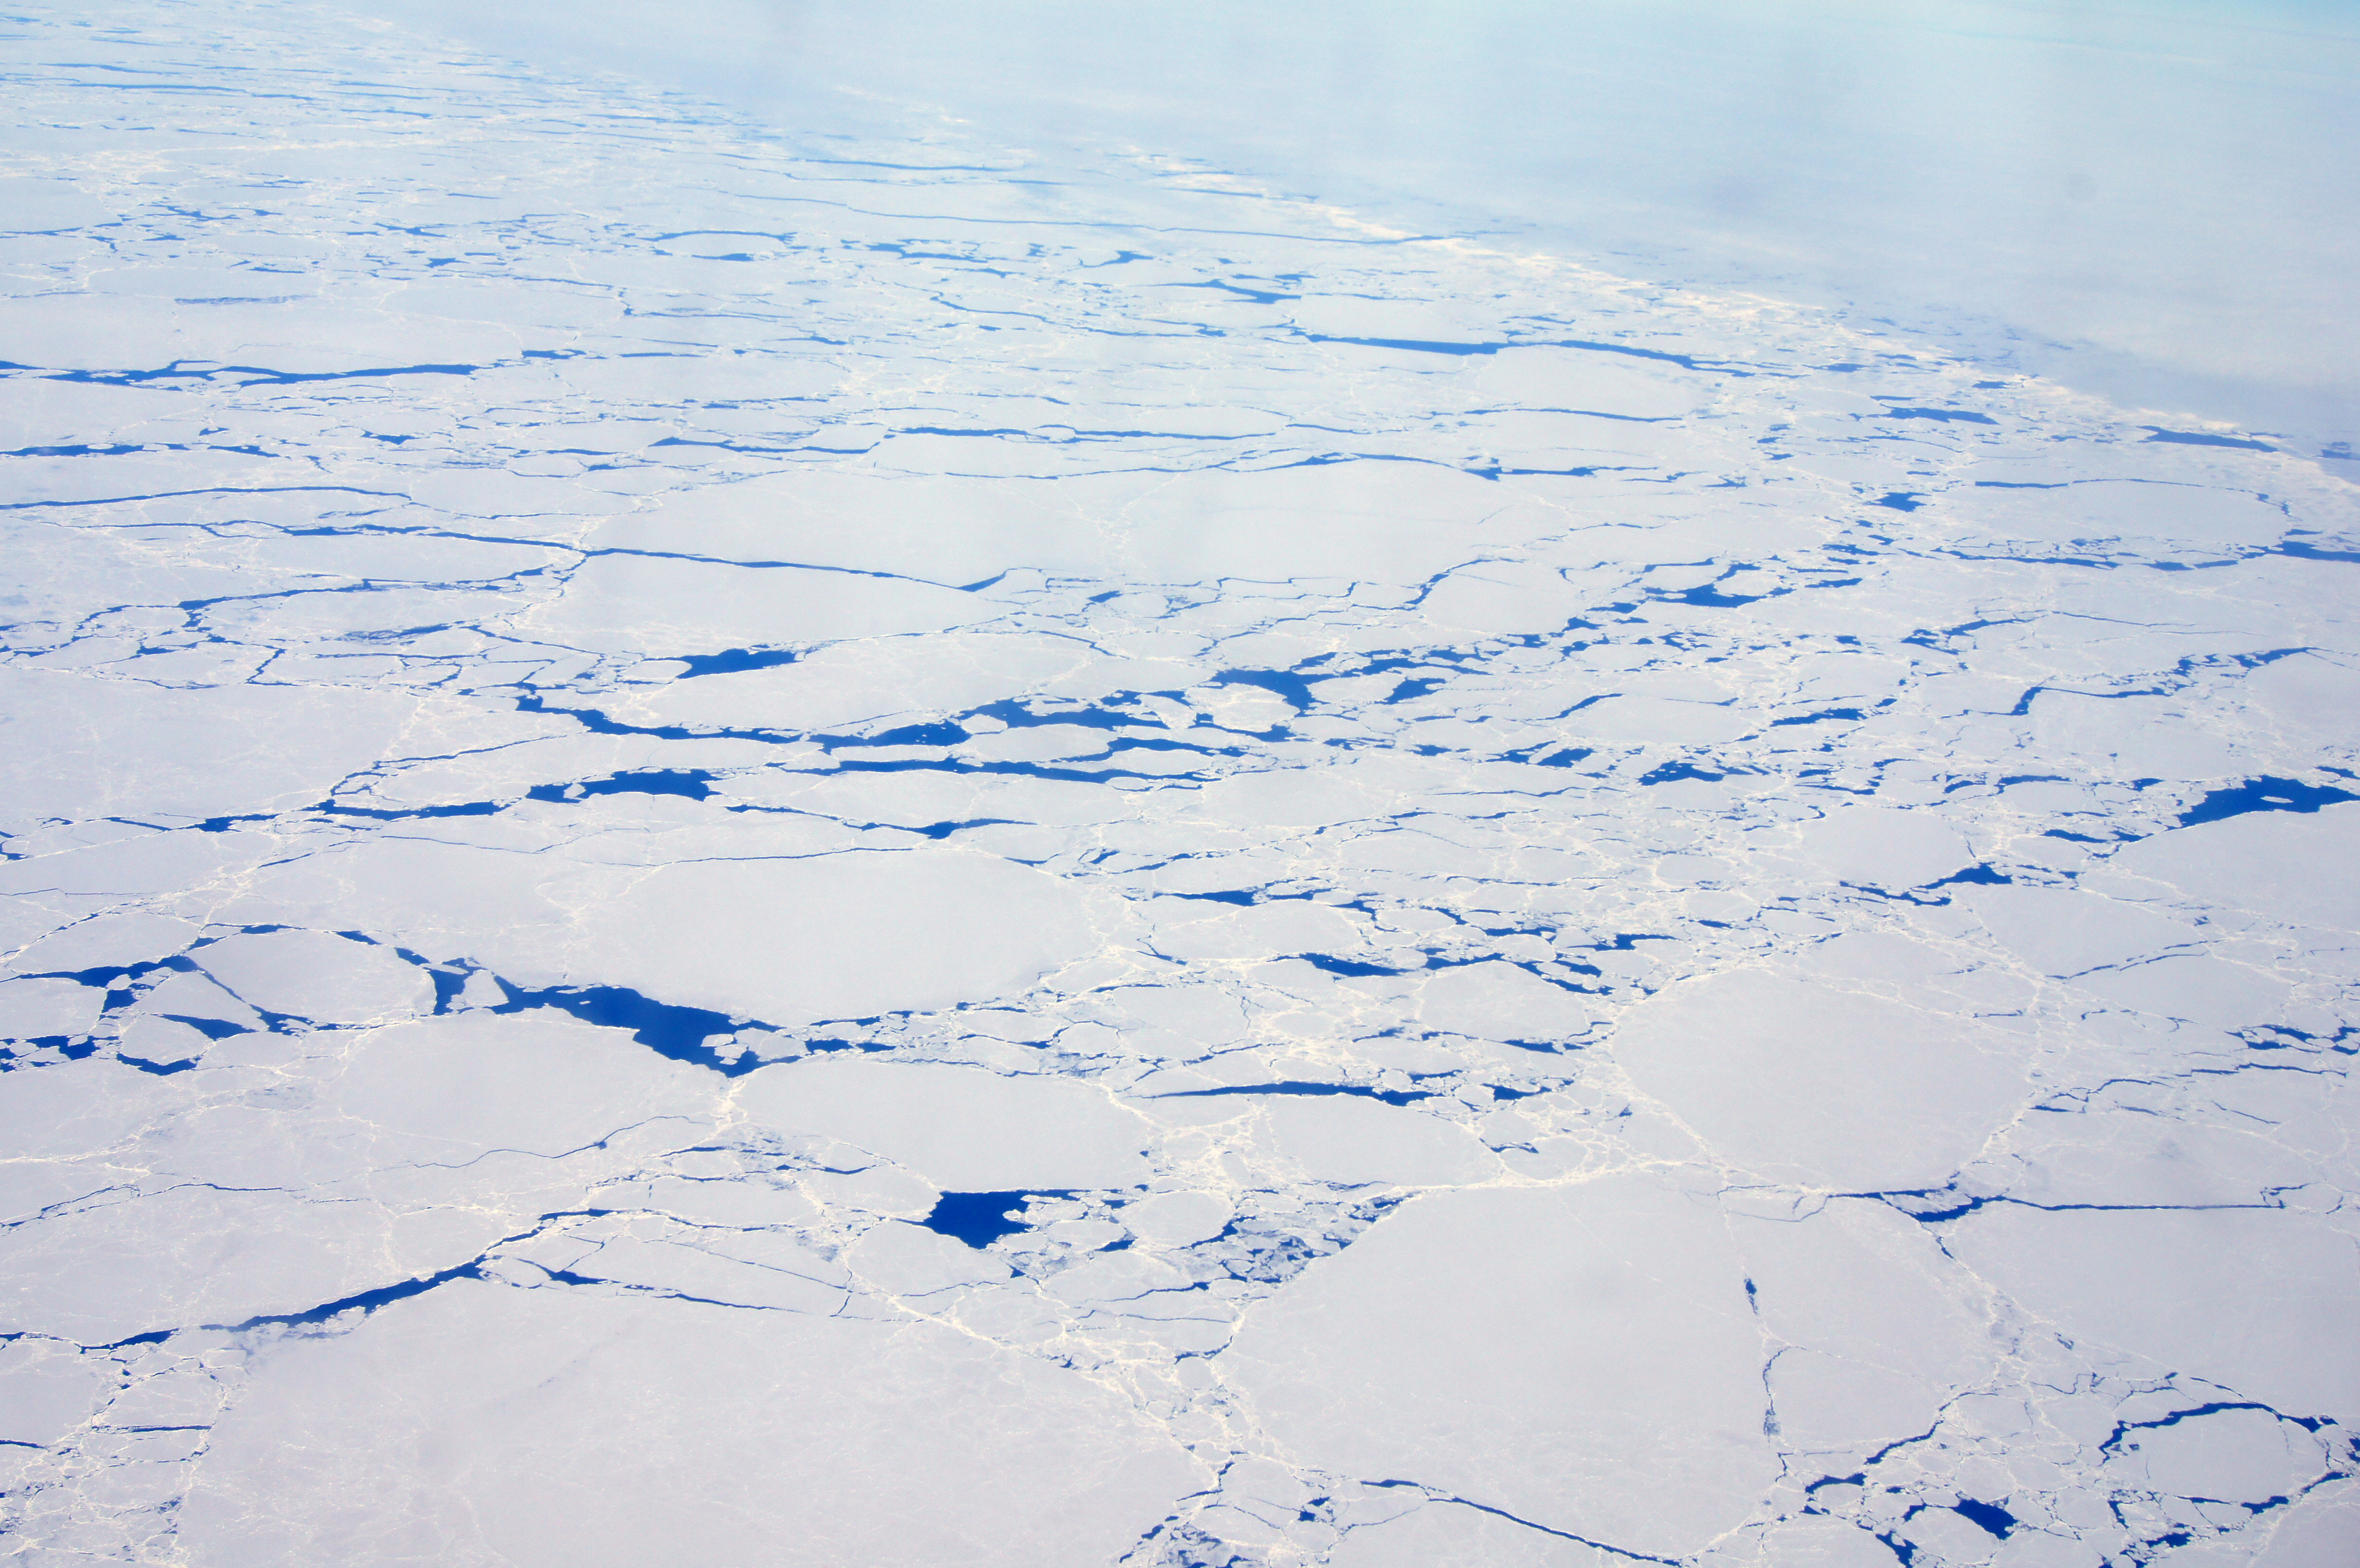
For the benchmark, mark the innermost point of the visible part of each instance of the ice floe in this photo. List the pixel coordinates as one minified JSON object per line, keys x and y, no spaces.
{"x":739,"y":843}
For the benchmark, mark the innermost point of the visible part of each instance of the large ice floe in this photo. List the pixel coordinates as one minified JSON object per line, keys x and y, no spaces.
{"x":729,"y":847}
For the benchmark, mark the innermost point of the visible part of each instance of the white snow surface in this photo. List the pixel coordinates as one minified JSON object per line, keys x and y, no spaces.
{"x":855,"y":838}
{"x":1564,"y":1341}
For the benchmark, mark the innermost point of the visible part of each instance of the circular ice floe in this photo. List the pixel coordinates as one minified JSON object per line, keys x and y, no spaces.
{"x":1805,"y":1084}
{"x":1581,"y":1358}
{"x":2256,"y":1300}
{"x":2282,"y":865}
{"x":832,"y":936}
{"x":651,"y":604}
{"x":784,"y":939}
{"x":80,"y":748}
{"x":480,"y":1424}
{"x":963,"y":1128}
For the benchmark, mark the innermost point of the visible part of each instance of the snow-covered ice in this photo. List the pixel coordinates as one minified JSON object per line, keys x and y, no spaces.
{"x":871,"y":842}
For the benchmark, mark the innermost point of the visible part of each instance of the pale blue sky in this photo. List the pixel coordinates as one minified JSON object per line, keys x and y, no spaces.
{"x":2152,"y":200}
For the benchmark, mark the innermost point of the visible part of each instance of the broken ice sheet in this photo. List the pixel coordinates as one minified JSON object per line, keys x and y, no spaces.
{"x":724,"y":846}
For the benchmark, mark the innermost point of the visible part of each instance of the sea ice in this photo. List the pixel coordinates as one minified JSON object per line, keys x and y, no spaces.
{"x":868,"y":837}
{"x":1582,"y":1359}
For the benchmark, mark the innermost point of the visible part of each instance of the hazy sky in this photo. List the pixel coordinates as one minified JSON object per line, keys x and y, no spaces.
{"x":2152,"y":200}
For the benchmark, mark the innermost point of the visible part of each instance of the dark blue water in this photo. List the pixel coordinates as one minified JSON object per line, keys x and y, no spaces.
{"x":979,"y":1219}
{"x":2264,"y":794}
{"x":670,"y":1031}
{"x":735,"y":661}
{"x":1990,"y":1516}
{"x":1295,"y":1086}
{"x":2193,"y":438}
{"x":694,"y":784}
{"x":1960,"y":415}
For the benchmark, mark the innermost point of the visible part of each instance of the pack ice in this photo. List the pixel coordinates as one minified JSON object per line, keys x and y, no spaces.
{"x":729,"y":845}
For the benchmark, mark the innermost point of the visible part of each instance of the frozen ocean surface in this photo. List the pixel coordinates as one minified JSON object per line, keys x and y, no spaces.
{"x":874,"y":841}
